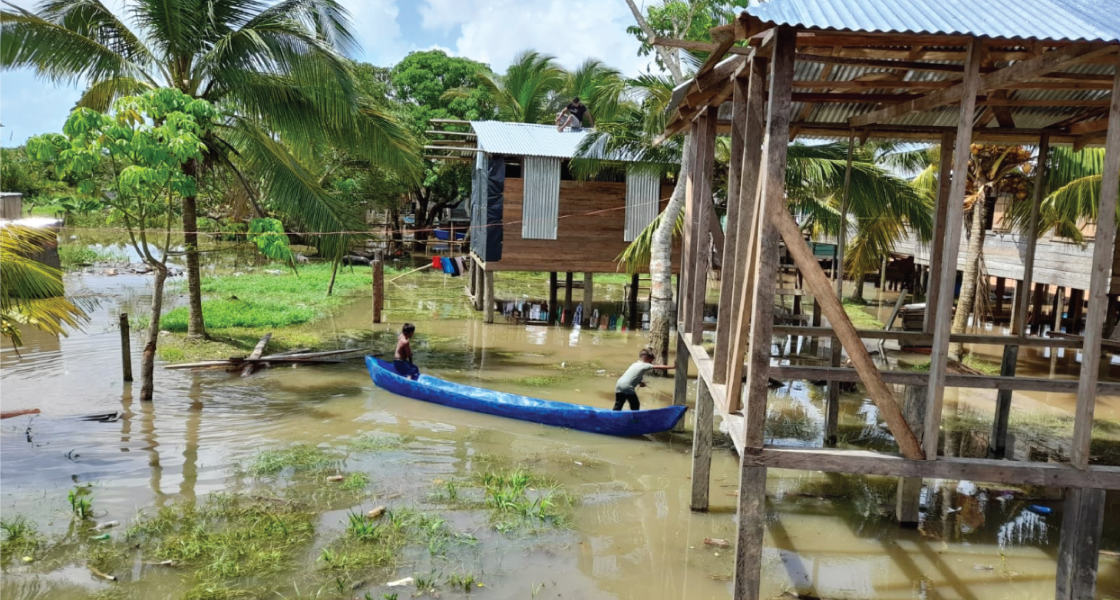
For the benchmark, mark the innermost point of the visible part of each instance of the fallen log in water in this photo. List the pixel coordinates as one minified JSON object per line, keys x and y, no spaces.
{"x":256,"y":360}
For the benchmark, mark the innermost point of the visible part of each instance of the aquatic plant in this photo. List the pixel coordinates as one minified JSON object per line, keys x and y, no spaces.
{"x":72,"y":256}
{"x":299,"y":457}
{"x":20,"y":536}
{"x":425,"y":583}
{"x":463,"y":581}
{"x":377,"y":442}
{"x":519,"y":497}
{"x":80,"y":505}
{"x":355,"y":482}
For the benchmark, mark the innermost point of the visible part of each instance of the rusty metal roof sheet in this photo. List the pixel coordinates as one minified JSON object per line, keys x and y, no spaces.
{"x":1053,"y":20}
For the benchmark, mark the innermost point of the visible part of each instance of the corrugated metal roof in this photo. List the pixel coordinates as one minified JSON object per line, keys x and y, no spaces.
{"x":1054,"y":20}
{"x":527,"y":139}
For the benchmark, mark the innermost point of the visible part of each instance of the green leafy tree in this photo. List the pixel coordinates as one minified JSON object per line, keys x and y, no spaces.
{"x":524,"y":93}
{"x":432,"y":85}
{"x":1073,"y":193}
{"x":276,"y":72}
{"x":147,"y":139}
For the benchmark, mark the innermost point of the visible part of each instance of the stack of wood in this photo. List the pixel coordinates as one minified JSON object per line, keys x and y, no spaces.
{"x":257,"y":359}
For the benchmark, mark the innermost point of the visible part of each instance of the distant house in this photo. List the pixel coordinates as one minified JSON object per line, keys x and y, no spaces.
{"x":530,"y":214}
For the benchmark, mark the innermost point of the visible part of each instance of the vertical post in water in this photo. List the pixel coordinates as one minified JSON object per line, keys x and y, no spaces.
{"x":553,"y":307}
{"x":702,"y":446}
{"x":488,"y":295}
{"x":378,"y":267}
{"x":126,"y":349}
{"x":633,"y":307}
{"x":569,"y":281}
{"x":588,"y":298}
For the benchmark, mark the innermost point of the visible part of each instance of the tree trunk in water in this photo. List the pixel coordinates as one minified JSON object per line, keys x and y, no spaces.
{"x":661,"y":269}
{"x":148,"y":360}
{"x":196,"y":326}
{"x":971,"y":274}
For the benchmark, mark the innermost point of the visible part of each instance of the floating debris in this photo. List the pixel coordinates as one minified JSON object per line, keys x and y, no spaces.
{"x":401,"y":582}
{"x":717,"y":542}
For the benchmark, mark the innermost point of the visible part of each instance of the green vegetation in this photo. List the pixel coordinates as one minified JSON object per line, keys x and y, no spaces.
{"x":227,"y":536}
{"x":355,"y":482}
{"x":20,"y":537}
{"x":859,"y":316}
{"x":377,"y":442}
{"x":73,"y":256}
{"x":984,"y":366}
{"x":293,"y":459}
{"x":518,"y":498}
{"x":80,"y":505}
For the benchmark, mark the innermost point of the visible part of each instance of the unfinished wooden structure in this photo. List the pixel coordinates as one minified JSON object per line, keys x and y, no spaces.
{"x":530,"y":213}
{"x":824,"y":68}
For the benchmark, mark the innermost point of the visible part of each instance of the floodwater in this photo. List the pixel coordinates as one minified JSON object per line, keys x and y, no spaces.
{"x":631,"y":533}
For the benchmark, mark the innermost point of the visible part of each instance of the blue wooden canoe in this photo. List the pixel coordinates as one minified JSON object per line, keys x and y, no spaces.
{"x":560,"y":414}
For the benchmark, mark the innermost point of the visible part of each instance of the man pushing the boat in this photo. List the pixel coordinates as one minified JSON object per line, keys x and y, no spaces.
{"x":625,"y":391}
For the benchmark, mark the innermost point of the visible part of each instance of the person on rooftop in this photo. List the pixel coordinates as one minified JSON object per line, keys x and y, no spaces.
{"x":573,"y":115}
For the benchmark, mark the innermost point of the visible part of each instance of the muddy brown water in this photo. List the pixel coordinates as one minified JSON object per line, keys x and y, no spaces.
{"x":631,"y":536}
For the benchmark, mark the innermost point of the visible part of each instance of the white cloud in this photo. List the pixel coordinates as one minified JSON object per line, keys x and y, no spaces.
{"x":378,"y":30}
{"x":495,"y":31}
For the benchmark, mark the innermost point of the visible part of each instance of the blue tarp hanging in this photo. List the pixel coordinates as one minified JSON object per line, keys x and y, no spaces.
{"x":495,"y":207}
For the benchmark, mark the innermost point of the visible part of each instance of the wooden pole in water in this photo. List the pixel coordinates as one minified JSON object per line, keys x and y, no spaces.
{"x":702,"y":447}
{"x":378,"y":268}
{"x":553,"y":302}
{"x":488,"y":295}
{"x":634,"y":319}
{"x":568,"y":282}
{"x":126,"y":349}
{"x":588,"y":298}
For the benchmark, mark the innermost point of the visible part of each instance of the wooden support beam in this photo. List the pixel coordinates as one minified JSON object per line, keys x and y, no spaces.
{"x":980,"y":382}
{"x":1103,"y":247}
{"x":553,"y":300}
{"x":973,"y":469}
{"x":702,"y":447}
{"x":588,"y":298}
{"x":765,"y":258}
{"x":749,"y":538}
{"x":716,"y":56}
{"x":697,"y":46}
{"x":459,"y":133}
{"x":895,"y":99}
{"x":832,"y":406}
{"x":1080,"y":544}
{"x":569,"y":283}
{"x":909,"y":493}
{"x":746,"y":225}
{"x":702,"y":220}
{"x":940,"y":222}
{"x":817,"y":283}
{"x":967,"y":91}
{"x":727,"y":315}
{"x":632,"y":303}
{"x":943,"y":311}
{"x":680,"y":377}
{"x":450,"y":149}
{"x":919,"y":338}
{"x":488,"y":295}
{"x":892,"y":84}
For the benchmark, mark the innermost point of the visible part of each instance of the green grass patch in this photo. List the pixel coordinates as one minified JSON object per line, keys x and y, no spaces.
{"x":73,"y":256}
{"x":268,"y":300}
{"x":539,"y":381}
{"x":18,"y":537}
{"x":518,"y":499}
{"x":984,"y":366}
{"x":859,"y":316}
{"x":227,"y":536}
{"x":293,"y":459}
{"x":355,"y":482}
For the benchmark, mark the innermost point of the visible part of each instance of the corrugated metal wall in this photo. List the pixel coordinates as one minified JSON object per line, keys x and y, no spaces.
{"x":643,"y":198}
{"x":542,"y":198}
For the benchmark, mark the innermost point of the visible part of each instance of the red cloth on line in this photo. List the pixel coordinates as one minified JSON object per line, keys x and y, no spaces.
{"x":436,"y":263}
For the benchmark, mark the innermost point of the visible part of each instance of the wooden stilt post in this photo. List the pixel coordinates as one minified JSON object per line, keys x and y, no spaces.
{"x":569,"y":281}
{"x":937,"y":245}
{"x":553,"y":307}
{"x":997,"y":444}
{"x":1001,"y":289}
{"x":702,"y":446}
{"x":680,"y":378}
{"x":126,"y":349}
{"x":1103,"y":247}
{"x":1057,"y":309}
{"x":703,"y":212}
{"x":378,"y":268}
{"x":816,"y":322}
{"x":752,"y":480}
{"x":909,"y":495}
{"x":727,"y":316}
{"x":635,"y":318}
{"x":588,"y":298}
{"x":1040,"y":292}
{"x":1080,"y":545}
{"x":943,"y":311}
{"x":476,"y":285}
{"x":832,"y":407}
{"x":746,"y":250}
{"x":488,"y":295}
{"x":1076,"y":306}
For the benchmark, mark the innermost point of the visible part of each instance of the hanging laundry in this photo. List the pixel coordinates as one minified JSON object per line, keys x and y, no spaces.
{"x":446,"y":264}
{"x":577,"y":318}
{"x":595,"y":316}
{"x":603,"y":323}
{"x":437,"y":263}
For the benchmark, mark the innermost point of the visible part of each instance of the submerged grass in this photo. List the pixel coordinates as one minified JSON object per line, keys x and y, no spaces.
{"x":518,"y":499}
{"x":227,"y":536}
{"x":377,"y":442}
{"x":73,"y":256}
{"x":20,"y":537}
{"x":296,"y":458}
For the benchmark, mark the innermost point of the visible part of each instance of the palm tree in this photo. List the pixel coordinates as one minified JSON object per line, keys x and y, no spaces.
{"x":1073,"y":190}
{"x":992,"y":170}
{"x":276,"y":73}
{"x":524,"y":93}
{"x":601,"y":88}
{"x":32,"y":293}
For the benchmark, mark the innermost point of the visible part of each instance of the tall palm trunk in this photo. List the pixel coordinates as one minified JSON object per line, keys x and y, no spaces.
{"x":857,"y":287}
{"x":148,"y":360}
{"x":196,"y":326}
{"x":661,"y":268}
{"x":967,"y":299}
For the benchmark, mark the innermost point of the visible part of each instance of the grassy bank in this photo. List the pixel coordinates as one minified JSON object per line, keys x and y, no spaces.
{"x":74,"y":256}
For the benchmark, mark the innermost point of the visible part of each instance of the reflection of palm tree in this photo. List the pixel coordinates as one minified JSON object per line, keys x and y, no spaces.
{"x":275,"y":71}
{"x":31,"y":293}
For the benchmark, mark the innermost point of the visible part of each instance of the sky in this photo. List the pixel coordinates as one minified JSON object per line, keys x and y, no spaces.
{"x":489,"y":31}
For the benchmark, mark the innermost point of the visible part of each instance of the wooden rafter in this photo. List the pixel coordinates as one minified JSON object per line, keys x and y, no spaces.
{"x":1020,"y":71}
